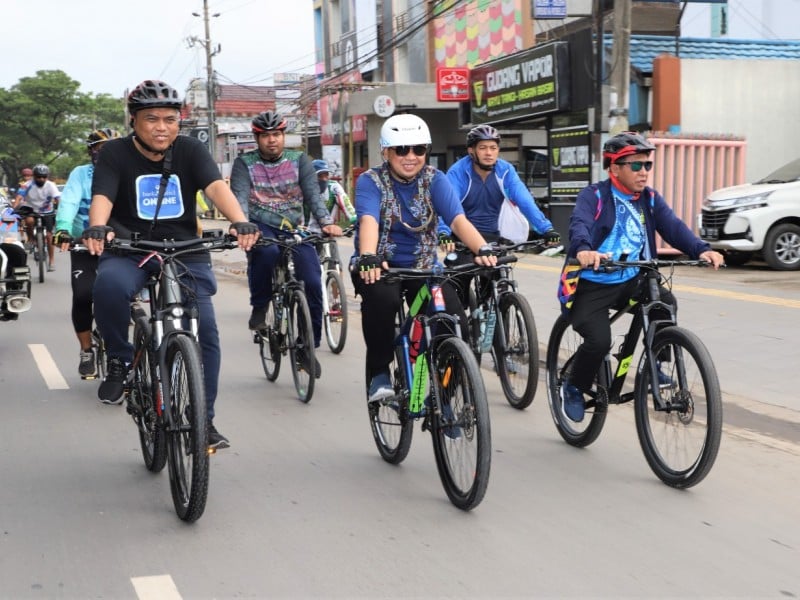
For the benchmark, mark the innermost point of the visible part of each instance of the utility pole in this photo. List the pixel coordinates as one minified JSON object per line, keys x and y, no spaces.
{"x":621,"y":77}
{"x":212,"y":124}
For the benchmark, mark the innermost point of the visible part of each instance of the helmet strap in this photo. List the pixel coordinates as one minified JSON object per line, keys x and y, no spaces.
{"x":478,"y":164}
{"x":397,"y":175}
{"x":148,"y":148}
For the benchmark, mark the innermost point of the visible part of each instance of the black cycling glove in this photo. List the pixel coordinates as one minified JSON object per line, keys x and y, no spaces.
{"x":62,"y":237}
{"x":244,"y":228}
{"x":368,"y":261}
{"x":96,"y":232}
{"x":552,"y":237}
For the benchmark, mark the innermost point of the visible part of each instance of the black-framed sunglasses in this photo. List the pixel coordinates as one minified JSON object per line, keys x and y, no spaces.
{"x":637,"y":165}
{"x":418,"y":150}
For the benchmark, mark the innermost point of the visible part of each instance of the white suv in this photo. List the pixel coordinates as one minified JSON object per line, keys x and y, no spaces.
{"x":761,"y":217}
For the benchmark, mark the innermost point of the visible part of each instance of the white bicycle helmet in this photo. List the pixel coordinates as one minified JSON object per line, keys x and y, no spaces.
{"x":404,"y":130}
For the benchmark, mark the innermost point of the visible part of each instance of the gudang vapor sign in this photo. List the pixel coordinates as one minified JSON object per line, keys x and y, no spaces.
{"x":527,"y":84}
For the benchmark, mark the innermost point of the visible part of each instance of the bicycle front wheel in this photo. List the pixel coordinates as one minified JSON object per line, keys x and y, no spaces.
{"x":680,"y":441}
{"x":301,"y":350}
{"x":143,"y":398}
{"x":517,"y":362}
{"x":462,"y":441}
{"x":269,"y":344}
{"x":392,"y":427}
{"x":187,"y":436}
{"x":335,"y":318}
{"x":561,"y":347}
{"x":41,"y":252}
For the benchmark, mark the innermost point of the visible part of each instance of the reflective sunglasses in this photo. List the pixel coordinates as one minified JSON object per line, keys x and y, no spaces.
{"x":637,"y":165}
{"x":419,"y":150}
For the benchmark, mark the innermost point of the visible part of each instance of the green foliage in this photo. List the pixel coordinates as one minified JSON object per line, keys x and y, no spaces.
{"x":46,"y":120}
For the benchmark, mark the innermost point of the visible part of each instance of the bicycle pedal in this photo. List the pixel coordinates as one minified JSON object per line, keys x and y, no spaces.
{"x":89,"y":377}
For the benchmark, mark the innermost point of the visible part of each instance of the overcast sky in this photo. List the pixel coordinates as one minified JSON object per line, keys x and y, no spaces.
{"x":111,"y":45}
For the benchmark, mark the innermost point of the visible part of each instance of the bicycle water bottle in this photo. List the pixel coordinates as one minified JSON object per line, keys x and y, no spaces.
{"x":478,"y":326}
{"x":488,"y":332}
{"x":415,"y":340}
{"x":438,"y":298}
{"x":419,"y":386}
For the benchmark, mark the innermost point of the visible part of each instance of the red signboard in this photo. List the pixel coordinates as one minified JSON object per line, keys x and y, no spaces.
{"x":452,"y":84}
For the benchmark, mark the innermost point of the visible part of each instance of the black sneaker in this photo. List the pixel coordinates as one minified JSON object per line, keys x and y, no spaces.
{"x":216,"y":440}
{"x":303,"y":360}
{"x":87,"y":367}
{"x":110,"y":391}
{"x":258,"y":318}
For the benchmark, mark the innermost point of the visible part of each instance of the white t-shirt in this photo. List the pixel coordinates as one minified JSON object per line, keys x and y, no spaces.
{"x":40,"y":199}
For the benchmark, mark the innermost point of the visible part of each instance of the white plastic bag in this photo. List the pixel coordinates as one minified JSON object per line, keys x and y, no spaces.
{"x":511,"y":223}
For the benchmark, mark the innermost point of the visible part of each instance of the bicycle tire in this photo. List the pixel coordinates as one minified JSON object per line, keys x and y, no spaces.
{"x":462,"y":441}
{"x":269,"y":344}
{"x":561,"y":347}
{"x":41,"y":253}
{"x":335,"y":318}
{"x":301,"y":346}
{"x":392,"y":427}
{"x":187,"y":434}
{"x":680,"y":445}
{"x":518,"y":363}
{"x":143,"y":397}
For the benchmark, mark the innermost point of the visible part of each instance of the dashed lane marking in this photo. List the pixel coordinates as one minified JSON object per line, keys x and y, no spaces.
{"x":155,"y":587}
{"x":47,"y":367}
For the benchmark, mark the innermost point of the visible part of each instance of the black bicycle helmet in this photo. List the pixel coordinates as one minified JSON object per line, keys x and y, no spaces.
{"x":624,"y":144}
{"x":268,"y":120}
{"x":41,"y":171}
{"x":152,"y":93}
{"x":101,"y":135}
{"x":482,"y":133}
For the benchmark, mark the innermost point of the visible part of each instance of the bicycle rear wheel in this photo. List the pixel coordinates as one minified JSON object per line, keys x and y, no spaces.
{"x":143,"y":398}
{"x":462,"y":441}
{"x":518,"y":362}
{"x":269,"y":344}
{"x":561,"y":348}
{"x":301,"y":349}
{"x":187,"y":435}
{"x":392,"y":427}
{"x":681,"y":442}
{"x":41,"y":253}
{"x":335,"y":319}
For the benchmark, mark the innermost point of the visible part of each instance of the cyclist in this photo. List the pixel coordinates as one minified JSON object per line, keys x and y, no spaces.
{"x":482,"y":181}
{"x":71,"y":219}
{"x":126,"y":177}
{"x":398,"y":204}
{"x":273,"y":186}
{"x":42,"y":196}
{"x":617,"y":219}
{"x":333,"y":195}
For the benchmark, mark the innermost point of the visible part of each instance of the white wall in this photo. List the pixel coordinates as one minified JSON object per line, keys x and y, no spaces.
{"x":755,"y":99}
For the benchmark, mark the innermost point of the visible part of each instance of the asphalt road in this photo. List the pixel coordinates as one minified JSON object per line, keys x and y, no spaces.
{"x":301,"y":505}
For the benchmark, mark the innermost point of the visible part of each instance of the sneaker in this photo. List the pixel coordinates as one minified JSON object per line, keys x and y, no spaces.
{"x":258,"y":318}
{"x":380,"y":387}
{"x":110,"y":391}
{"x":664,"y":380}
{"x":87,"y":367}
{"x":572,"y":404}
{"x":303,"y":360}
{"x":51,"y":267}
{"x":451,"y":431}
{"x":216,"y":440}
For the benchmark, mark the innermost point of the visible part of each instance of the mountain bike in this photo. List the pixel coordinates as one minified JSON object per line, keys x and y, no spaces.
{"x":288,"y":320}
{"x":441,"y":386}
{"x":165,"y":390}
{"x":501,"y":322}
{"x":676,"y":393}
{"x":334,"y":295}
{"x":38,"y":243}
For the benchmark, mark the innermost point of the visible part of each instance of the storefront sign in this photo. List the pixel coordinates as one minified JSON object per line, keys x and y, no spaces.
{"x":452,"y":84}
{"x":525,"y":85}
{"x":549,"y":9}
{"x":570,"y":161}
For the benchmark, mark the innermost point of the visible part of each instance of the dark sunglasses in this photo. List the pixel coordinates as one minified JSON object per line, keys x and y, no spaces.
{"x":419,"y":150}
{"x":637,"y":165}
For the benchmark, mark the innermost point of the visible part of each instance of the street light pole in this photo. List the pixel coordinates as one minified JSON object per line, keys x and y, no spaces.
{"x":212,"y":125}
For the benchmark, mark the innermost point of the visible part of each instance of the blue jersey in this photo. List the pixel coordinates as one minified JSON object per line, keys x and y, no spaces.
{"x":73,"y":209}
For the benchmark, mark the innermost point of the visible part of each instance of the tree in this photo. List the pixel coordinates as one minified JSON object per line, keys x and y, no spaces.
{"x":46,"y":120}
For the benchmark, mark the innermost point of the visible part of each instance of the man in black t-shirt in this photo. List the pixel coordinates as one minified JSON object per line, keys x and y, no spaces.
{"x":124,"y":200}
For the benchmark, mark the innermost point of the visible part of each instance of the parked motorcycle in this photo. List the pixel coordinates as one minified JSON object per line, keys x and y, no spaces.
{"x":15,"y":275}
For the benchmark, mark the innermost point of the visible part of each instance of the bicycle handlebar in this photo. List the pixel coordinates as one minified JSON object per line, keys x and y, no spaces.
{"x":609,"y":265}
{"x":438,"y":271}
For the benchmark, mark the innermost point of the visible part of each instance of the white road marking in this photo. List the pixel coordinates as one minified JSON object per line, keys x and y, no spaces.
{"x":155,"y":587}
{"x":47,"y":367}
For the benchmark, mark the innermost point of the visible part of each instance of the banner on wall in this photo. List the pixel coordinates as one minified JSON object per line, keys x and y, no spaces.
{"x":570,"y":160}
